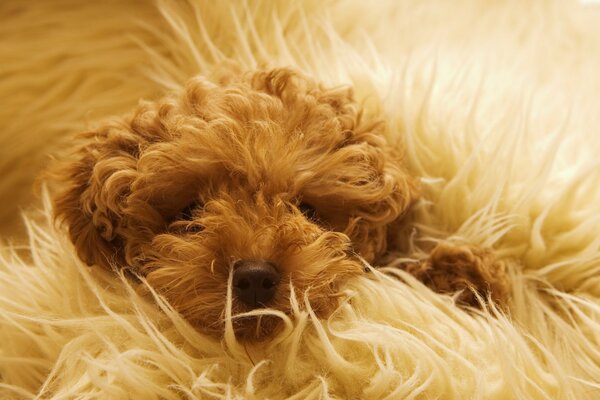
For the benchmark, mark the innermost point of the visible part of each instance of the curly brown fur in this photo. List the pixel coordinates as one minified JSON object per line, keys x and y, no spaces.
{"x":186,"y":186}
{"x":472,"y":271}
{"x":247,"y":154}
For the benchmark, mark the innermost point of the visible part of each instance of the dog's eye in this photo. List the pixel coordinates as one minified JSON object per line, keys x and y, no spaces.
{"x":308,"y":211}
{"x":186,"y":216}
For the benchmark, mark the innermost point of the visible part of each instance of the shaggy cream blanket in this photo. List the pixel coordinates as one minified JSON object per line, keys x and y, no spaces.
{"x":499,"y":105}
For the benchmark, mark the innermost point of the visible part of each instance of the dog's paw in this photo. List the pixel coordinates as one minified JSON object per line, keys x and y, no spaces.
{"x":471,"y":270}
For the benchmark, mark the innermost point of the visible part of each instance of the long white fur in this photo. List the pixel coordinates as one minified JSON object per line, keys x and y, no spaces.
{"x":498,"y":106}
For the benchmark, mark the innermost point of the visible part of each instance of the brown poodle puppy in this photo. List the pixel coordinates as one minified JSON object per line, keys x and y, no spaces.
{"x":266,"y":180}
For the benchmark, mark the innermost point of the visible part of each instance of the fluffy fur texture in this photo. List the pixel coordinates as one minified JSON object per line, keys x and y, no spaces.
{"x":497,"y":105}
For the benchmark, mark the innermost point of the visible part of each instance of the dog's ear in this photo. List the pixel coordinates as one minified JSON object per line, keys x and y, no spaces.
{"x":377,"y":185}
{"x":93,"y":184}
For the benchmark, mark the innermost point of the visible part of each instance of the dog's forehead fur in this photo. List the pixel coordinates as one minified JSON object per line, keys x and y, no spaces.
{"x":282,"y":140}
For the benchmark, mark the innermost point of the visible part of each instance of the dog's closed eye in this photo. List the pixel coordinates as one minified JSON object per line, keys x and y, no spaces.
{"x":309,"y":211}
{"x":185,"y":218}
{"x":189,"y":211}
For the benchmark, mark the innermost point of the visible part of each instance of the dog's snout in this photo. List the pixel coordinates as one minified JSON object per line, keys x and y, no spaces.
{"x":255,"y":282}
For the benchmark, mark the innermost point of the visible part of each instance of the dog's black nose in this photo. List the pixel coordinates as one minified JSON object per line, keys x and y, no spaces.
{"x":255,"y":282}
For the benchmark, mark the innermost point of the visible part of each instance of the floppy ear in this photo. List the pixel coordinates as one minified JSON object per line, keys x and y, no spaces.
{"x":125,"y":180}
{"x":94,"y":184}
{"x":384,"y":194}
{"x":111,"y":191}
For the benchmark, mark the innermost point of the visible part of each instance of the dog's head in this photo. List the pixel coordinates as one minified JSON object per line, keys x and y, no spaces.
{"x":265,"y":179}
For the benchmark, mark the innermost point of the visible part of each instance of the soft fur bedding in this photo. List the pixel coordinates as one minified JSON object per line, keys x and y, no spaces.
{"x":498,"y":105}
